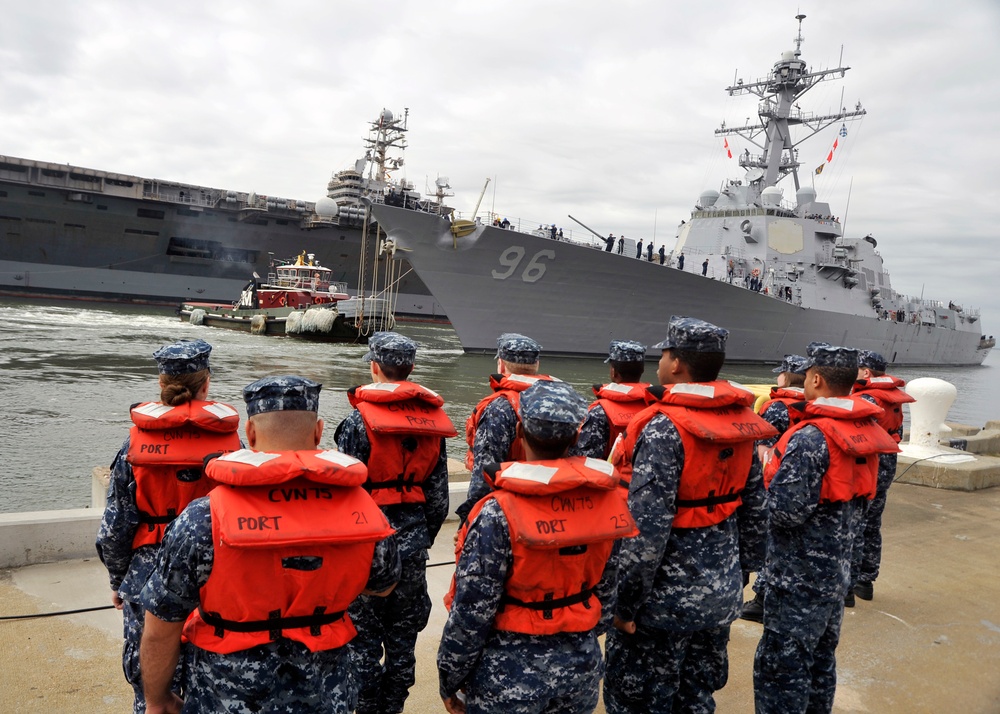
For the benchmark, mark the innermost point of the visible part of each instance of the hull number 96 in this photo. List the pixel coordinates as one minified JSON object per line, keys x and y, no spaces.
{"x":511,"y":259}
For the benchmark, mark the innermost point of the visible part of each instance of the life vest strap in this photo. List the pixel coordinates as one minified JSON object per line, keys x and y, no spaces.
{"x":157,"y":520}
{"x":709,"y":500}
{"x":550,"y":603}
{"x":274,"y":623}
{"x":400,"y":483}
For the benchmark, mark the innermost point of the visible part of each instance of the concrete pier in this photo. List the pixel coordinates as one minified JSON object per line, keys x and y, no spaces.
{"x":928,"y":642}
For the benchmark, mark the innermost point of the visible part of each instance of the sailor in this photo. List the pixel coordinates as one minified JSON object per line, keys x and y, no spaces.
{"x":490,"y":430}
{"x":649,"y":252}
{"x":638,"y":249}
{"x":258,"y":576}
{"x":791,"y":376}
{"x":621,"y":245}
{"x":533,"y":582}
{"x":823,"y":469}
{"x":663,"y":254}
{"x":155,"y":474}
{"x":398,"y":429}
{"x":887,"y":392}
{"x":609,"y":242}
{"x":696,"y":495}
{"x":617,"y":402}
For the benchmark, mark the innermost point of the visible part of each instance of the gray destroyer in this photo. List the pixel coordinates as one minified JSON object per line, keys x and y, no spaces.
{"x":78,"y":233}
{"x":776,"y":274}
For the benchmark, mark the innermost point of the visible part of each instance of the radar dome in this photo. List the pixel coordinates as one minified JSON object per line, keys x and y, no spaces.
{"x":708,"y":198}
{"x":386,"y":116}
{"x":805,"y":195}
{"x":327,"y":207}
{"x":771,"y":196}
{"x":442,"y":182}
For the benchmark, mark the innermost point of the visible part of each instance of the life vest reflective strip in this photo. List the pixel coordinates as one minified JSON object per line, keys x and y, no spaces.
{"x":620,"y":402}
{"x":509,"y":387}
{"x":404,"y":423}
{"x":563,"y":517}
{"x":167,"y":446}
{"x":293,"y":534}
{"x":887,"y":391}
{"x":854,"y":441}
{"x":718,"y":428}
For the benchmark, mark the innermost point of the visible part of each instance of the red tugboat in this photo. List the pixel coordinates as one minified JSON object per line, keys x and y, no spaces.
{"x":299,"y":299}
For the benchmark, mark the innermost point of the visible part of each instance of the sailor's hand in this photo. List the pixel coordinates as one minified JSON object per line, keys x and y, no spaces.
{"x":455,"y":704}
{"x":627,"y":627}
{"x":116,"y":599}
{"x":172,"y":705}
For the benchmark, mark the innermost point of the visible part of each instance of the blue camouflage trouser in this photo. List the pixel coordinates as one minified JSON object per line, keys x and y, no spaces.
{"x":133,"y":620}
{"x":552,"y":675}
{"x":382,"y":653}
{"x":795,"y":668}
{"x":665,"y":671}
{"x":867,"y":554}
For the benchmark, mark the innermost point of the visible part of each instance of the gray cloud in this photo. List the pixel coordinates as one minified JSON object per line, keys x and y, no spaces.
{"x":605,"y":112}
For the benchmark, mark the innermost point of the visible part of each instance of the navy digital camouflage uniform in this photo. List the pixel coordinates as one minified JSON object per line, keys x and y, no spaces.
{"x":596,"y":430}
{"x":511,"y":672}
{"x":776,"y":415}
{"x":391,"y":624}
{"x":807,"y":571}
{"x":867,"y":554}
{"x":128,"y":569}
{"x":282,"y":676}
{"x":497,"y":426}
{"x":682,"y":587}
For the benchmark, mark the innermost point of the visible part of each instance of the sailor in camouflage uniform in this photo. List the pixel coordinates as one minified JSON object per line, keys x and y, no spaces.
{"x":822,"y":471}
{"x":624,"y":394}
{"x":490,"y":430}
{"x":416,"y":510}
{"x":875,"y":386}
{"x":277,"y":663}
{"x":698,"y":502}
{"x":521,"y":635}
{"x":791,"y":376}
{"x":184,"y":379}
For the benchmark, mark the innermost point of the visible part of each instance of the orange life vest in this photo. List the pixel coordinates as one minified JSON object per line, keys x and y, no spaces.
{"x":785,"y":395}
{"x":509,"y":387}
{"x":294,"y":535}
{"x":718,"y":427}
{"x":563,"y":516}
{"x":404,"y":422}
{"x":887,"y":391}
{"x":620,"y":402}
{"x":854,"y":440}
{"x":167,"y":448}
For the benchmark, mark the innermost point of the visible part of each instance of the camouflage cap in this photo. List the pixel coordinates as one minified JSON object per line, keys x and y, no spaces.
{"x":391,"y":348}
{"x":183,"y":357}
{"x":551,"y":410}
{"x":626,"y":351}
{"x":516,"y":348}
{"x":820,"y":354}
{"x":871,"y":360}
{"x":276,"y":394}
{"x":796,"y":364}
{"x":690,"y":334}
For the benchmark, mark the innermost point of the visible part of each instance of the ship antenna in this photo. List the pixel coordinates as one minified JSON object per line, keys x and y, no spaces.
{"x":798,"y":40}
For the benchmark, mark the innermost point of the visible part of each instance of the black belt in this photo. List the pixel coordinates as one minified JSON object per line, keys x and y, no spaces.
{"x":150,"y":518}
{"x":550,"y":603}
{"x":709,"y":501}
{"x":399,"y":483}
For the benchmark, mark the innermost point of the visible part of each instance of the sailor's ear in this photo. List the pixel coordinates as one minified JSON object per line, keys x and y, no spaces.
{"x":318,"y":434}
{"x":251,"y":430}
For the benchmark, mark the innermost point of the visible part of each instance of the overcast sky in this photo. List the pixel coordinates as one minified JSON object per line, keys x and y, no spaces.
{"x":605,"y":111}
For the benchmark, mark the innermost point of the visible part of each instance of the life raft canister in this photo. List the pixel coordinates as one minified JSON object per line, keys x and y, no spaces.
{"x":404,"y":422}
{"x":167,"y":448}
{"x":293,"y":534}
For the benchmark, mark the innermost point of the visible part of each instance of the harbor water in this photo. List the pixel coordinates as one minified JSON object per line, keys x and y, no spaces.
{"x":70,"y":373}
